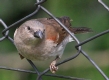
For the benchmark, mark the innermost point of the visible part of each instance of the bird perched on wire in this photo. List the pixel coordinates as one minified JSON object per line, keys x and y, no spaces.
{"x":41,"y":39}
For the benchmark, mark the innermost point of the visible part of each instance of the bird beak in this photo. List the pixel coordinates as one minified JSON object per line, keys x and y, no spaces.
{"x":38,"y":34}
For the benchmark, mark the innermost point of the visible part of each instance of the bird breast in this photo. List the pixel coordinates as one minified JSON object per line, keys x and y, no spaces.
{"x":47,"y":49}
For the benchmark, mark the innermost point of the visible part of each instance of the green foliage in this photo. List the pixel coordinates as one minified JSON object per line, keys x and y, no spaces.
{"x":5,"y":75}
{"x":87,"y":73}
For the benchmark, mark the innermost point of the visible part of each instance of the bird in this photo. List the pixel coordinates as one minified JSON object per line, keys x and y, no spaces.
{"x":44,"y":38}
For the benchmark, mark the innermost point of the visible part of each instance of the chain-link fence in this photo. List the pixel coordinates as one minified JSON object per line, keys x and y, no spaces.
{"x":38,"y":3}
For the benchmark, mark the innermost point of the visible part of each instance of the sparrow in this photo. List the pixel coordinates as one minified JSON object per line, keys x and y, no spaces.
{"x":43,"y":38}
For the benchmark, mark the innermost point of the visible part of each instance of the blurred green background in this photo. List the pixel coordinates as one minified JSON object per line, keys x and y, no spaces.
{"x":87,"y":13}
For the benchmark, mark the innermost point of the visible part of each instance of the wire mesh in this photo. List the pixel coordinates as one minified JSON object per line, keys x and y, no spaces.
{"x":38,"y":3}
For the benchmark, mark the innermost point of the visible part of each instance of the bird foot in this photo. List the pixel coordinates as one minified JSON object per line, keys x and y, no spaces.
{"x":53,"y":68}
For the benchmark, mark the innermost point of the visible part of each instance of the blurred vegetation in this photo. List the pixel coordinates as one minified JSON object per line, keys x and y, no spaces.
{"x":87,"y":13}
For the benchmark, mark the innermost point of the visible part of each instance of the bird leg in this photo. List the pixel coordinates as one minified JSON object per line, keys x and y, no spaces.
{"x":53,"y":67}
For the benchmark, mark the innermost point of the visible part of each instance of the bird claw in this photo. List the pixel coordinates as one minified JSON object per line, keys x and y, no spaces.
{"x":53,"y":68}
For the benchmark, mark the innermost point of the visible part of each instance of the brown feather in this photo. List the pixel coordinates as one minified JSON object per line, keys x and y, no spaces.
{"x":53,"y":27}
{"x":77,"y":30}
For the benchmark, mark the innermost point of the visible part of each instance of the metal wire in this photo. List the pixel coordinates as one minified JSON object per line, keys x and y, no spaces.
{"x":100,"y":1}
{"x":38,"y":3}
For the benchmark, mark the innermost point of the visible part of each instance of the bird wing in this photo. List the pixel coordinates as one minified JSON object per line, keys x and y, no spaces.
{"x":58,"y":33}
{"x":53,"y":30}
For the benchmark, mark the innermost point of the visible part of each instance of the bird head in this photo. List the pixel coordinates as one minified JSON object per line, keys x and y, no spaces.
{"x":31,"y":32}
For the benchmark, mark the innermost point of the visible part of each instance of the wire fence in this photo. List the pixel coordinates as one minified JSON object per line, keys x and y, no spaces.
{"x":38,"y":3}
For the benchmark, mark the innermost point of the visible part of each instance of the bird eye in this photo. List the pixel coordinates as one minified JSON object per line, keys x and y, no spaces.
{"x":28,"y":27}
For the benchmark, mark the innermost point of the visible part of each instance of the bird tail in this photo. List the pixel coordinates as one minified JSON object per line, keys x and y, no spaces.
{"x":77,"y":30}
